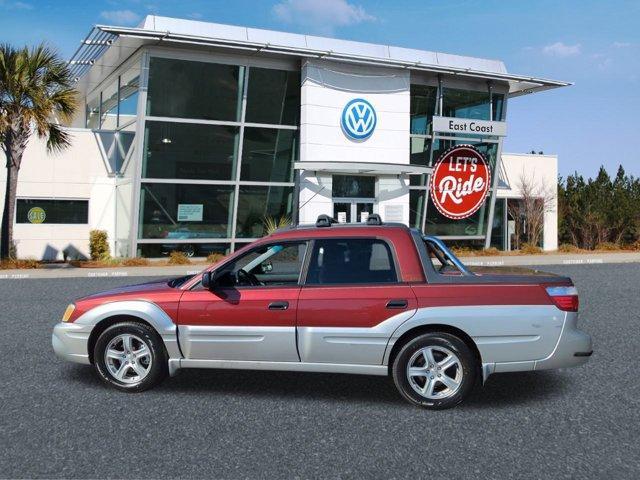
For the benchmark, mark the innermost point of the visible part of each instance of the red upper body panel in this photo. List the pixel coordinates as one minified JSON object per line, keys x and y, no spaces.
{"x":159,"y":293}
{"x":322,"y":305}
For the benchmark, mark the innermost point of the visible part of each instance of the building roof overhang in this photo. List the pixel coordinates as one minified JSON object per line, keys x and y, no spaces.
{"x":370,"y":168}
{"x":170,"y":31}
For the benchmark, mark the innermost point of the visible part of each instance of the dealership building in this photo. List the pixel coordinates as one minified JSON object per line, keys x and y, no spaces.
{"x":195,"y":135}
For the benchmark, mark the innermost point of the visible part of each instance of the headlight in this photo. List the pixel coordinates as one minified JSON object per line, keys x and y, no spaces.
{"x":68,"y":312}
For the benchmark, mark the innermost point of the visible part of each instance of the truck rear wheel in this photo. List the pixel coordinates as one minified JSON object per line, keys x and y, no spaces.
{"x":435,"y":370}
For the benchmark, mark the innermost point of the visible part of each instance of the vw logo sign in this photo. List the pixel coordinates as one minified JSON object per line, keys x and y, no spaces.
{"x":358,"y":119}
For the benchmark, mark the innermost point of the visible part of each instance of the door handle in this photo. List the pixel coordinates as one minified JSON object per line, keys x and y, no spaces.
{"x":398,"y":303}
{"x":278,"y":305}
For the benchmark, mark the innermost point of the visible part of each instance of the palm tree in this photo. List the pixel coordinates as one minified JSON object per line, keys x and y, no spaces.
{"x":35,"y":93}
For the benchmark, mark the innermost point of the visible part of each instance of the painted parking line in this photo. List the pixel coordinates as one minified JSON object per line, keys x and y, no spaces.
{"x":581,"y":261}
{"x":107,"y":274}
{"x":490,"y":263}
{"x":14,"y":276}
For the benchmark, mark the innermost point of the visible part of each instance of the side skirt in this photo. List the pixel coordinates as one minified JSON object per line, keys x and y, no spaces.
{"x":177,"y":363}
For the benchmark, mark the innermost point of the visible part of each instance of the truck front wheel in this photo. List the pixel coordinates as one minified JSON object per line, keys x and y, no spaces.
{"x":130,"y":356}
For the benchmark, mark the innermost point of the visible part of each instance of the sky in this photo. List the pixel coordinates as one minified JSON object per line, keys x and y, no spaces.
{"x":594,"y":44}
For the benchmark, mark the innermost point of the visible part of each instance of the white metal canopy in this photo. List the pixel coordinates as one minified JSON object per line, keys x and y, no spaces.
{"x":173,"y":31}
{"x":370,"y":168}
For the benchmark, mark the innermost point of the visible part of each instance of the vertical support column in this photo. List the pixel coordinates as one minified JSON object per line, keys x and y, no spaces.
{"x":138,"y":153}
{"x":494,"y":187}
{"x":236,"y":189}
{"x":295,"y":214}
{"x":494,"y":191}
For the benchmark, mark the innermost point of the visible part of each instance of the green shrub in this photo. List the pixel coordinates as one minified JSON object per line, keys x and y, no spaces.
{"x":99,"y":245}
{"x":528,"y":249}
{"x":178,"y":258}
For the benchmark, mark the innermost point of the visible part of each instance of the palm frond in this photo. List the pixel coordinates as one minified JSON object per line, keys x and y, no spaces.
{"x":272,"y":224}
{"x":57,"y":138}
{"x":36,"y":93}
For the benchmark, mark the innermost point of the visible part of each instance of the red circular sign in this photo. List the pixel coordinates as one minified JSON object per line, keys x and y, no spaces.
{"x":460,"y":182}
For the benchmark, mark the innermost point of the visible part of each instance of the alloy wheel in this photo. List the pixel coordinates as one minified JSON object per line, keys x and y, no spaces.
{"x":128,"y":358}
{"x":435,"y":372}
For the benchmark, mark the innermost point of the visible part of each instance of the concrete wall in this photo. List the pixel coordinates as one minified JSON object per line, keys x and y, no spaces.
{"x":542,"y":170}
{"x":77,"y":173}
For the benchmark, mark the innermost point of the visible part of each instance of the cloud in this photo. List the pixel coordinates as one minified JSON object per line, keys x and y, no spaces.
{"x":321,"y":15}
{"x":621,"y":44}
{"x":15,"y":5}
{"x":124,"y":17}
{"x":559,"y":49}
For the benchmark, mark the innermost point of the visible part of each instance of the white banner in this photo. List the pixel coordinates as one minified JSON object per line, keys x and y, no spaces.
{"x":466,"y":125}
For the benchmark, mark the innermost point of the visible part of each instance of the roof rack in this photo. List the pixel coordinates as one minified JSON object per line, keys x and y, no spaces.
{"x":327,"y":221}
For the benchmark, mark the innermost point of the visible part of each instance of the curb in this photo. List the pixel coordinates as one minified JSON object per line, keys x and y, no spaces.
{"x":166,"y":271}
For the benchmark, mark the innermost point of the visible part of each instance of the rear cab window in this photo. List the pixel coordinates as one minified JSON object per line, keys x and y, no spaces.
{"x":336,"y":261}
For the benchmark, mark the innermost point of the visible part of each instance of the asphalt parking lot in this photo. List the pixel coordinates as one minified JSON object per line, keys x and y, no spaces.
{"x":58,"y":420}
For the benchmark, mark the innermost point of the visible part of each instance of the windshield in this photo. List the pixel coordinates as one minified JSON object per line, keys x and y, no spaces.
{"x":179,"y":281}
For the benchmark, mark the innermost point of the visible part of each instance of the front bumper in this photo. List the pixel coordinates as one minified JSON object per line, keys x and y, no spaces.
{"x":70,"y":342}
{"x":574,"y":348}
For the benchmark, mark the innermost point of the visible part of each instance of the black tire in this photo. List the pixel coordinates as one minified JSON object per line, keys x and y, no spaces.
{"x":156,"y":367}
{"x":467,"y":360}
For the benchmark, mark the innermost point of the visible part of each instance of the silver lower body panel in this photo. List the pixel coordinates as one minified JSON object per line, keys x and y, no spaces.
{"x":573,"y":348}
{"x":176,"y":364}
{"x":69,"y":341}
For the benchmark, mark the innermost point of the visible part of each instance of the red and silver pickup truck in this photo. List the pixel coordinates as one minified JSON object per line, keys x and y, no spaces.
{"x":373,"y":299}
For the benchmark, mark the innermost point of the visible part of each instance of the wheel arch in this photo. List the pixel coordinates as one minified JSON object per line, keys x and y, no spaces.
{"x":145,"y":312}
{"x":430,"y":328}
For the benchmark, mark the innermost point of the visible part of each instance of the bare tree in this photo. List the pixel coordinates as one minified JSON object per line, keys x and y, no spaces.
{"x":537,"y":199}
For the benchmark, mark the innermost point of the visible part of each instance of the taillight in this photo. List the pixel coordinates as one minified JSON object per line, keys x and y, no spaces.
{"x":565,"y":298}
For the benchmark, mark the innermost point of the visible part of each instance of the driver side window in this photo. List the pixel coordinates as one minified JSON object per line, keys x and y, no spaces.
{"x":269,"y":265}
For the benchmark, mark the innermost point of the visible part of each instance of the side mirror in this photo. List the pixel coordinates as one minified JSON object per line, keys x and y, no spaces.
{"x":209,"y":279}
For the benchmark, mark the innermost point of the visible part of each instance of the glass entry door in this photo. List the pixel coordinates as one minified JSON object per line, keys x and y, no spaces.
{"x":352,"y":210}
{"x":353,"y":197}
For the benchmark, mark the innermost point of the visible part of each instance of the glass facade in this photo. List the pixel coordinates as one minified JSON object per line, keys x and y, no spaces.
{"x":427,"y":146}
{"x":199,"y":90}
{"x":190,"y":151}
{"x":217,"y":162}
{"x":268,"y":154}
{"x":218,"y":142}
{"x":179,"y":211}
{"x":466,"y":104}
{"x":273,"y":96}
{"x":257,"y":204}
{"x":423,"y":106}
{"x":417,"y":204}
